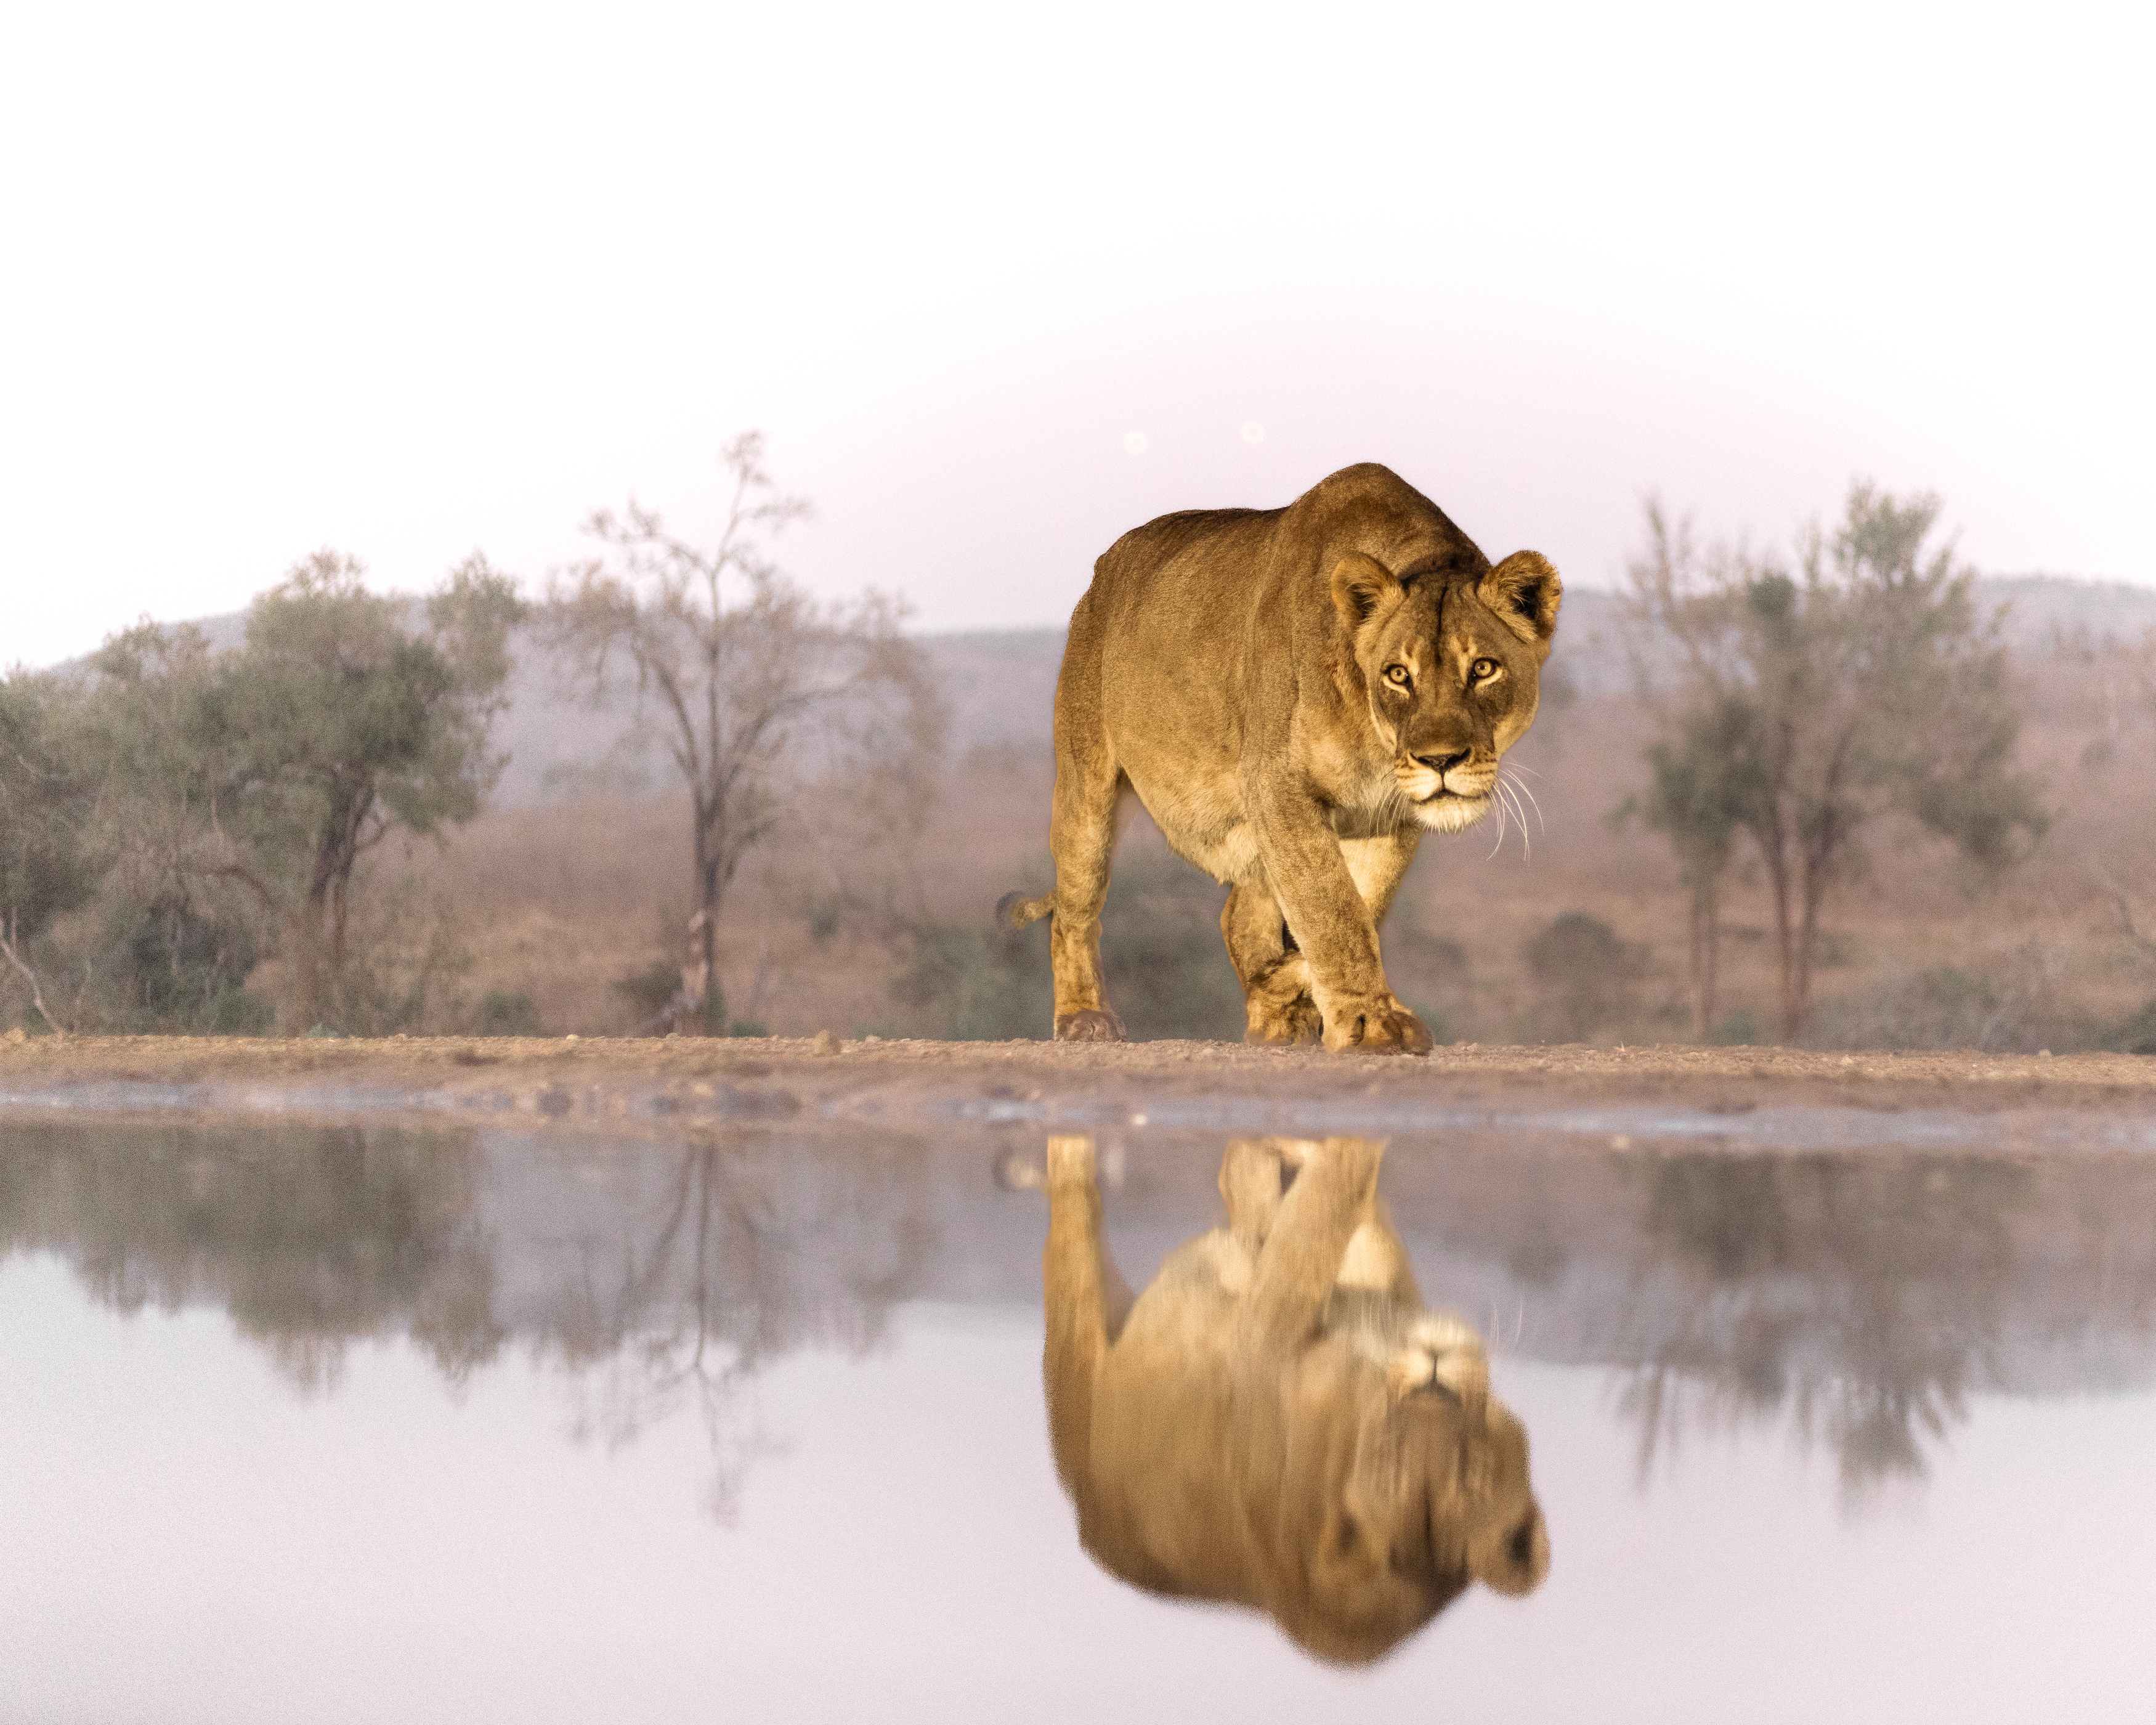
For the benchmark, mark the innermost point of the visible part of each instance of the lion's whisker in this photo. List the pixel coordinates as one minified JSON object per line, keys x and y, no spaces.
{"x":1527,"y":791}
{"x":1506,"y":799}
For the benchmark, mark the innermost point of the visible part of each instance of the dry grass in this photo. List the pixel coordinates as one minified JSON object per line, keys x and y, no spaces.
{"x":556,"y":903}
{"x":559,"y":903}
{"x":2050,"y":934}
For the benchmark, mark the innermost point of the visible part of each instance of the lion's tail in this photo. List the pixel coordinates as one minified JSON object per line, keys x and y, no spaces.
{"x":1014,"y":910}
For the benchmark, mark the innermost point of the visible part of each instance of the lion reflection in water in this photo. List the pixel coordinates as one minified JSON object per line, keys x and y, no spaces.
{"x":1276,"y":1422}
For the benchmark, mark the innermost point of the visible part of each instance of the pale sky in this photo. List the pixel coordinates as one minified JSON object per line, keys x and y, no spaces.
{"x":409,"y":280}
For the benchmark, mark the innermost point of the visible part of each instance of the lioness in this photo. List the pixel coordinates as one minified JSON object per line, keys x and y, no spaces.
{"x":1276,"y":1422}
{"x":1295,"y":694}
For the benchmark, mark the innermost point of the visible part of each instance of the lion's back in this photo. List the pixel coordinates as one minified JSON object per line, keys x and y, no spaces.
{"x":1201,"y":586}
{"x":1157,"y":653}
{"x":1179,"y":570}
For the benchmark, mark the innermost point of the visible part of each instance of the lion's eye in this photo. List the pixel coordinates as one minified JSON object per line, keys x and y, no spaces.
{"x":1483,"y":669}
{"x":1397,"y":676}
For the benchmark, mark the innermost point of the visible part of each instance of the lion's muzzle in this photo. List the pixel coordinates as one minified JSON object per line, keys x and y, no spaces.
{"x":1459,"y":774}
{"x":1448,"y":796}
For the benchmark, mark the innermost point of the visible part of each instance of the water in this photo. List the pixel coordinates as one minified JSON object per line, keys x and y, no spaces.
{"x":363,"y":1424}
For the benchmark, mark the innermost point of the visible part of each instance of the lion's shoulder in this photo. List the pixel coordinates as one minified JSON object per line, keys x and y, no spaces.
{"x":1365,"y":478}
{"x":1169,"y":539}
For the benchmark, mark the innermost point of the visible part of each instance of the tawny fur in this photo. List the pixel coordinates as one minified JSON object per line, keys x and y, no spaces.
{"x":1276,"y":1422}
{"x":1296,"y":695}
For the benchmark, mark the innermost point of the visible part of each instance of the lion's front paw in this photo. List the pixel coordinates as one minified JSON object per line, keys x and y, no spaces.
{"x":1088,"y":1027}
{"x":1380,"y":1029}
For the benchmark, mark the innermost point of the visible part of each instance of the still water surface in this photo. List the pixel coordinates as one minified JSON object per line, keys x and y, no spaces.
{"x":363,"y":1424}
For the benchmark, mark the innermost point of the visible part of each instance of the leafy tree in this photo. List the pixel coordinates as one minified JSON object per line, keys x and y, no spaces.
{"x":1802,"y":706}
{"x":278,"y":765}
{"x":1703,"y":768}
{"x":46,"y":864}
{"x":1690,"y":799}
{"x":178,"y":960}
{"x":766,"y":699}
{"x":174,"y":939}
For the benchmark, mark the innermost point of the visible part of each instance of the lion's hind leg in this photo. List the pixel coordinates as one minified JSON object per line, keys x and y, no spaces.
{"x":1085,"y":1301}
{"x":1277,"y":1005}
{"x":1092,"y":802}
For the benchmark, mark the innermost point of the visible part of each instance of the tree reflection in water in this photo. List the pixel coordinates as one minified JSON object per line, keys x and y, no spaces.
{"x":671,"y":1280}
{"x":751,"y":1251}
{"x":1855,"y":1302}
{"x":311,"y":1237}
{"x":1859,"y":1299}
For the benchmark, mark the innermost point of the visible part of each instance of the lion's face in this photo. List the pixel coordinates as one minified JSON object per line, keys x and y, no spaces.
{"x":1453,"y":671}
{"x":1439,"y":1497}
{"x":1474,"y":1496}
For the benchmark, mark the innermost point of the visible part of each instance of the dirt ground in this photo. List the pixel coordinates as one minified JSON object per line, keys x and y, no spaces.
{"x":1754,"y":1096}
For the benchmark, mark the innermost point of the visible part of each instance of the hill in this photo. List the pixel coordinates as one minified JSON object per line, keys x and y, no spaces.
{"x":1001,"y":685}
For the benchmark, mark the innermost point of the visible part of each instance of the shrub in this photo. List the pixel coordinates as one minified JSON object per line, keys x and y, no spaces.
{"x":1583,"y":975}
{"x":505,"y":1011}
{"x":2136,"y":1034}
{"x":1167,"y":969}
{"x":2013,"y":1010}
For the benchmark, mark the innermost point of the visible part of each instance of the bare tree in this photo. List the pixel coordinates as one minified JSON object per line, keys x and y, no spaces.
{"x":755,"y":1246}
{"x":1688,"y":661}
{"x":761,"y":693}
{"x":1700,"y":766}
{"x":2123,"y":679}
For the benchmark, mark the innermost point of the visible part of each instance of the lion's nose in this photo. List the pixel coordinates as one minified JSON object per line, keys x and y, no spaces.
{"x":1442,"y":764}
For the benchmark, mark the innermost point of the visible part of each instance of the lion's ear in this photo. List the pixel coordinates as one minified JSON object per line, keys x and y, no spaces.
{"x":1523,"y":590}
{"x":1514,"y":1558}
{"x":1362,"y":587}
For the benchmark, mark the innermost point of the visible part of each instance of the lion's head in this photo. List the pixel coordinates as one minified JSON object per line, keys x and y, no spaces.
{"x":1438,"y":1496}
{"x":1452,"y":671}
